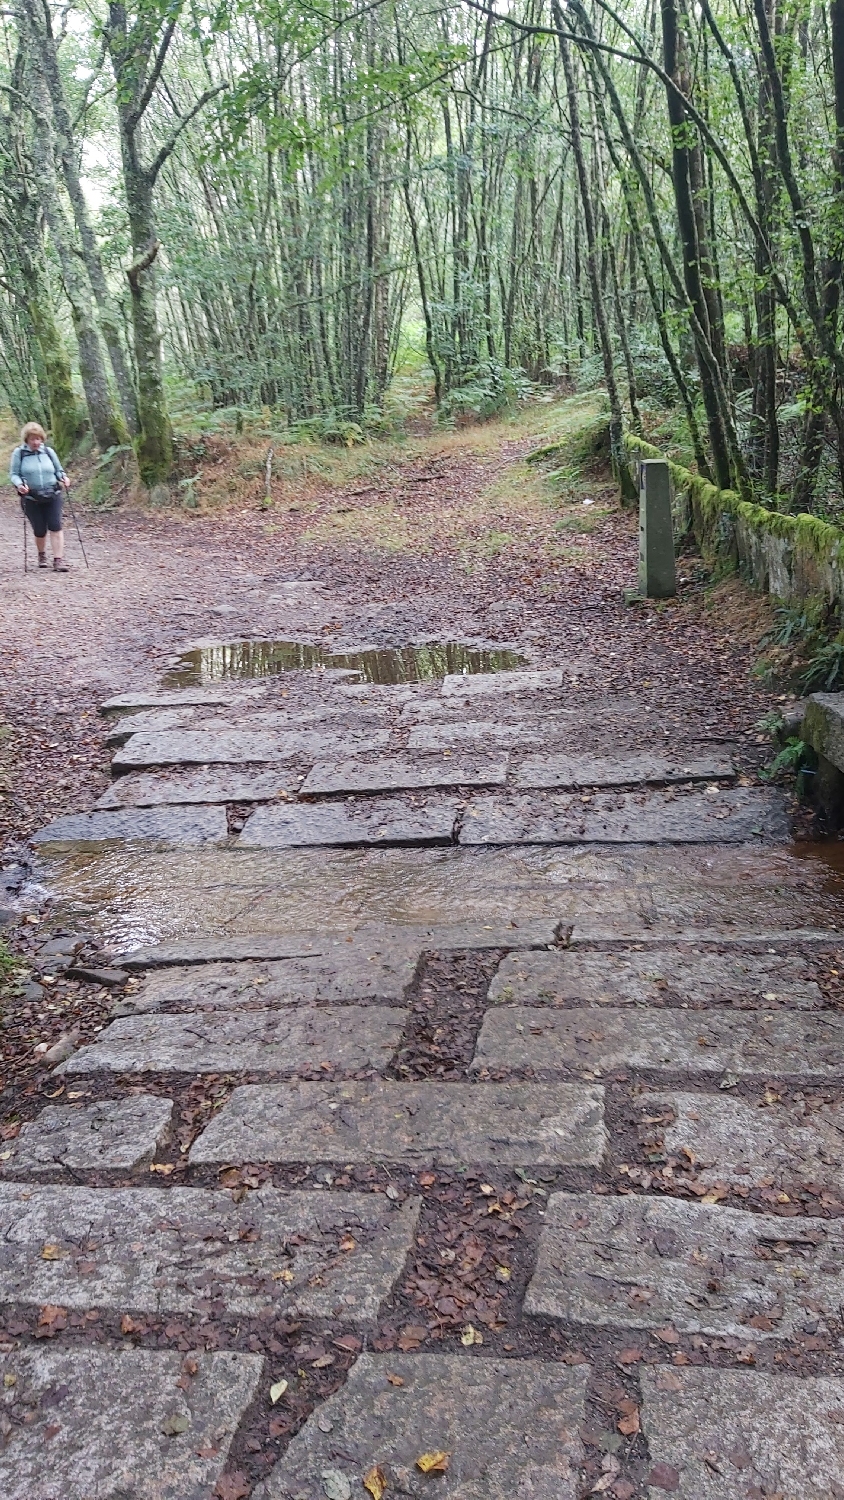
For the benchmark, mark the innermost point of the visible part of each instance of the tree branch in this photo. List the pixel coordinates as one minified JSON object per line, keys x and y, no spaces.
{"x":151,"y":172}
{"x":135,"y":115}
{"x":134,"y":272}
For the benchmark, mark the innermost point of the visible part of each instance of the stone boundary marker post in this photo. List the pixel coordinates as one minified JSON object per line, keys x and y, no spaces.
{"x":657,"y":573}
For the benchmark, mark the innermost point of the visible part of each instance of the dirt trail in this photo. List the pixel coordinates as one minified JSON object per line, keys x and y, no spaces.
{"x":467,"y":1110}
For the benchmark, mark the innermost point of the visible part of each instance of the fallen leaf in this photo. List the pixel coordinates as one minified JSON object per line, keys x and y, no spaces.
{"x":347,"y":1244}
{"x":667,"y":1335}
{"x":335,"y":1485}
{"x":629,"y":1356}
{"x":395,"y":1379}
{"x":664,"y":1477}
{"x":278,"y":1390}
{"x":427,"y":1179}
{"x":629,"y":1425}
{"x":51,"y":1252}
{"x":172,"y":1426}
{"x":433,"y":1463}
{"x":470,"y":1336}
{"x":323,"y":1362}
{"x":233,"y":1486}
{"x":376,"y":1482}
{"x":286,"y":1276}
{"x":164,"y":1167}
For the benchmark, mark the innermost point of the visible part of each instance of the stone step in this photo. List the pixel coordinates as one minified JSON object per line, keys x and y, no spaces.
{"x":736,"y":815}
{"x":731,"y":1433}
{"x":418,"y":1124}
{"x":510,"y":1427}
{"x":118,"y":1423}
{"x":239,"y":747}
{"x":182,"y":1249}
{"x":179,"y":827}
{"x":152,"y":722}
{"x":637,"y":1262}
{"x":404,"y":772}
{"x":635,"y":893}
{"x":223,"y":695}
{"x":265,"y":1041}
{"x":109,"y":1133}
{"x":374,"y":938}
{"x":746,"y":1044}
{"x":486,"y":684}
{"x":670,"y":976}
{"x":176,"y":786}
{"x":728,"y":1140}
{"x":346,"y":824}
{"x":637,"y":768}
{"x":327,"y":977}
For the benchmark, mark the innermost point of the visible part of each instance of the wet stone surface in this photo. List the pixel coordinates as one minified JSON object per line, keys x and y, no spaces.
{"x":716,"y":1041}
{"x":415,"y":1123}
{"x":732,"y":1140}
{"x":263,"y":1040}
{"x":147,"y":790}
{"x":324,"y":977}
{"x":668,"y":976}
{"x":480,"y":734}
{"x":482,"y":685}
{"x":636,"y":1262}
{"x":239,"y":746}
{"x":727,"y":1435}
{"x":510,"y":1428}
{"x":733,"y":816}
{"x":314,"y":1254}
{"x":623,"y":769}
{"x":180,"y":826}
{"x":118,"y":1425}
{"x":366,"y":821}
{"x":406,"y":772}
{"x":110,"y":1133}
{"x":194,"y":697}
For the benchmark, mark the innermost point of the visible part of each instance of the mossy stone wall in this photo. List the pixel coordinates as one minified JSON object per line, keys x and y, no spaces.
{"x":791,"y":557}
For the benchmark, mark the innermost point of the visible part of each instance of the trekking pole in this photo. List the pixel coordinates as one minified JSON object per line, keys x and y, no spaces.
{"x":25,"y":555}
{"x":76,"y":524}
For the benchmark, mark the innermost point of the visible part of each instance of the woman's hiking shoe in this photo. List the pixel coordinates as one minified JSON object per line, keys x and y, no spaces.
{"x":60,"y":566}
{"x":42,"y":559}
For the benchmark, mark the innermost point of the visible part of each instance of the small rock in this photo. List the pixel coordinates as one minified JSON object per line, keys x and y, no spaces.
{"x":64,"y":1047}
{"x":100,"y":976}
{"x":32,"y":991}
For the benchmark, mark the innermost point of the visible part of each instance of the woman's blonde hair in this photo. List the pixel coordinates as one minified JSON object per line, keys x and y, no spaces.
{"x":32,"y":429}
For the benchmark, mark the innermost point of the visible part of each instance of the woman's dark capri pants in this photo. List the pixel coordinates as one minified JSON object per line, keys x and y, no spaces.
{"x":43,"y":515}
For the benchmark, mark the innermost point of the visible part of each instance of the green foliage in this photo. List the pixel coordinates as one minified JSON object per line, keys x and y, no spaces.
{"x":8,"y":962}
{"x":825,"y":672}
{"x":796,"y":758}
{"x":795,"y":624}
{"x":487,"y":390}
{"x":330,"y":427}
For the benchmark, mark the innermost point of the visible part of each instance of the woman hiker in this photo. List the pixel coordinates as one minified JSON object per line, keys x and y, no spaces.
{"x":38,"y":478}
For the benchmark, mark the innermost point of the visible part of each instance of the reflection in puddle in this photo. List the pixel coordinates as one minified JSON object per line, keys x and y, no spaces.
{"x":824,"y":859}
{"x":239,"y":659}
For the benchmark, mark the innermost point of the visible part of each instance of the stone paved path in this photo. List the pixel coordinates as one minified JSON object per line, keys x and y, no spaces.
{"x":470,"y":1125}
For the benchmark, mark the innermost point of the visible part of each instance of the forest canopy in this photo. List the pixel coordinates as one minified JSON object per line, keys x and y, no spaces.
{"x":274,"y":206}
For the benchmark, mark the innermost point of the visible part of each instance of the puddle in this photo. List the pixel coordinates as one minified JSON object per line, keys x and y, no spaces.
{"x":241,"y":659}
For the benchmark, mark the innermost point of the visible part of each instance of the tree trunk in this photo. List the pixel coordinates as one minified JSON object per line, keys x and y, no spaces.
{"x":593,"y":263}
{"x":38,"y":20}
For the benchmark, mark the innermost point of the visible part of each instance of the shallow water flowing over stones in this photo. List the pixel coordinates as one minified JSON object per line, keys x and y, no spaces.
{"x":471,"y":1123}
